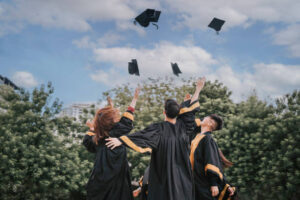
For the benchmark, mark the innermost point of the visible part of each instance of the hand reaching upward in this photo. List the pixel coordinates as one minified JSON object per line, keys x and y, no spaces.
{"x":135,"y":97}
{"x":187,"y":97}
{"x":137,"y":92}
{"x":200,"y":83}
{"x":199,"y":86}
{"x":109,"y":101}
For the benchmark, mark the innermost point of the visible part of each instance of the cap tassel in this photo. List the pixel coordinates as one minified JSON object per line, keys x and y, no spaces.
{"x":155,"y":25}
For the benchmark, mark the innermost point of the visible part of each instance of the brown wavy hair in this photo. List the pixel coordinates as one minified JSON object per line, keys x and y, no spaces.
{"x":104,"y":121}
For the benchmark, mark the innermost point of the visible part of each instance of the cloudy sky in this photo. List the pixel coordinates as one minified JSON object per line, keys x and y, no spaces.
{"x":83,"y":47}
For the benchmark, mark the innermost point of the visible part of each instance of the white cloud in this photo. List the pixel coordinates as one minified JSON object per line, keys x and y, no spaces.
{"x":197,"y":14}
{"x":269,"y":80}
{"x":277,"y":78}
{"x":72,"y":15}
{"x":289,"y":37}
{"x":84,"y":42}
{"x":191,"y":59}
{"x":101,"y":76}
{"x":109,"y":39}
{"x":24,"y":79}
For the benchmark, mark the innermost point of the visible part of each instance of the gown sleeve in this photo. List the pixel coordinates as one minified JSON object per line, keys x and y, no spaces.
{"x":143,"y":141}
{"x":187,"y":115}
{"x":197,"y":129}
{"x":89,"y":143}
{"x":213,"y":166}
{"x":124,"y":126}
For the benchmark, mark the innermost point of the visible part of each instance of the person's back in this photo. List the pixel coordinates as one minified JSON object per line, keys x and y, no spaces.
{"x":170,"y":176}
{"x":170,"y":169}
{"x":110,"y":177}
{"x":111,"y":170}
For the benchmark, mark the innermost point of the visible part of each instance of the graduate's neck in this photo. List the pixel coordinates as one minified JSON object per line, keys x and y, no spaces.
{"x":205,"y":129}
{"x":173,"y":121}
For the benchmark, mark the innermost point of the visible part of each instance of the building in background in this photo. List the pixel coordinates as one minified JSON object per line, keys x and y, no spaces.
{"x":6,"y":81}
{"x":75,"y":110}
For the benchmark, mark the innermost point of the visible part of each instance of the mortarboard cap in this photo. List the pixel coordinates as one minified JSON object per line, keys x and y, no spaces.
{"x":175,"y":69}
{"x":149,"y":15}
{"x":133,"y":67}
{"x":216,"y":24}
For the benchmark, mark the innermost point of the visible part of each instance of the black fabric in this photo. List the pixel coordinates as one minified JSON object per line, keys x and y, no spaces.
{"x":149,"y":15}
{"x":145,"y":183}
{"x":216,"y":24}
{"x":205,"y":154}
{"x":175,"y":69}
{"x":110,"y":178}
{"x":170,"y":176}
{"x":133,"y":67}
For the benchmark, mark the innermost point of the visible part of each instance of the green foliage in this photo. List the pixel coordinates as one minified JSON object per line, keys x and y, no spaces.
{"x":42,"y":156}
{"x":263,"y":141}
{"x":36,"y":160}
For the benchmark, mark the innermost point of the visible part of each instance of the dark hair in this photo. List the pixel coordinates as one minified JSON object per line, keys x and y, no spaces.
{"x":171,"y":108}
{"x":218,"y":120}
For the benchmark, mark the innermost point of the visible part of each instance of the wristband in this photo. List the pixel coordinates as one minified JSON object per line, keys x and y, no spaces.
{"x":130,"y":109}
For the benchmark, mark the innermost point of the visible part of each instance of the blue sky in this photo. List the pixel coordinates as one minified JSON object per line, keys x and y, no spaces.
{"x":83,"y":48}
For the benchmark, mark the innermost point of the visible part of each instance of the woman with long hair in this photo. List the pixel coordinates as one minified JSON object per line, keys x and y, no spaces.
{"x":110,"y":177}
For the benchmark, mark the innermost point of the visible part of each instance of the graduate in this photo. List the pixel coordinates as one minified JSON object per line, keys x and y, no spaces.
{"x":207,"y":162}
{"x":170,"y":175}
{"x":143,"y":189}
{"x":110,"y":177}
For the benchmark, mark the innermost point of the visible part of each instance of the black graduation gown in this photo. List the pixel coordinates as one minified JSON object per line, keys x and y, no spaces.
{"x":170,"y":176}
{"x":207,"y":168}
{"x":144,"y":184}
{"x":110,"y":178}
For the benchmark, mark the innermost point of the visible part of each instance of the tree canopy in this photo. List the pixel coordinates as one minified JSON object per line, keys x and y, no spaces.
{"x":42,"y":156}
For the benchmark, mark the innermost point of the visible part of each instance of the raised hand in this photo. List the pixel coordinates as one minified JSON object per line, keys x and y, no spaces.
{"x":187,"y":97}
{"x":90,"y":124}
{"x":109,"y":101}
{"x":200,"y":83}
{"x":135,"y":97}
{"x":137,"y":92}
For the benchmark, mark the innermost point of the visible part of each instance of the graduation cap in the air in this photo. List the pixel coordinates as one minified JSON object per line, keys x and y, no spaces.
{"x":216,"y":24}
{"x":175,"y":69}
{"x":149,"y":15}
{"x":133,"y":67}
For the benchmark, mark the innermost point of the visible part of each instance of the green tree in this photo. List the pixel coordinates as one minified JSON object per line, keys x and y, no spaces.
{"x":263,"y":141}
{"x":36,"y":160}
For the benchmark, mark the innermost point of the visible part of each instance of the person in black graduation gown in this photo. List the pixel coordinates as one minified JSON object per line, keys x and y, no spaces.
{"x":143,"y":189}
{"x":207,"y":162}
{"x":110,"y":177}
{"x":170,"y":176}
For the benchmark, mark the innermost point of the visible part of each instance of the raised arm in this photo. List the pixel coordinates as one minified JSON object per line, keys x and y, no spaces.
{"x":125,"y":125}
{"x":142,"y":141}
{"x":200,"y":84}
